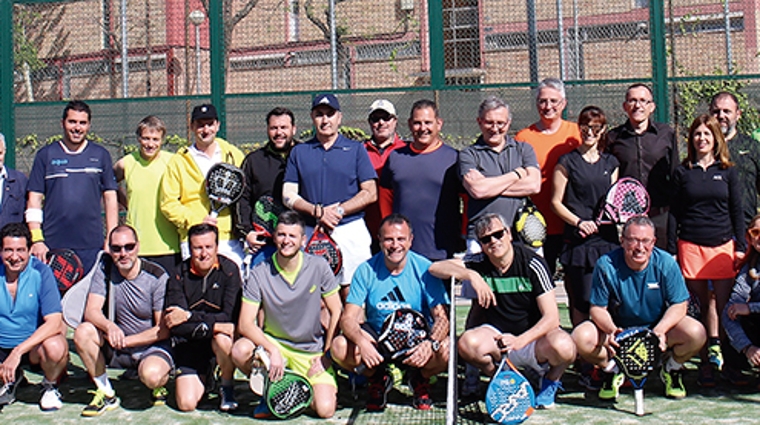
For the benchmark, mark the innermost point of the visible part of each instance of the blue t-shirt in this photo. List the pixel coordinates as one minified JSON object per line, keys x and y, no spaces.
{"x":637,"y":298}
{"x":382,"y":293}
{"x":36,"y":296}
{"x":329,"y":176}
{"x":73,"y":185}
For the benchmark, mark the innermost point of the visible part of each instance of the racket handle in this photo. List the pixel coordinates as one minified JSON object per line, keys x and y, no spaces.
{"x":638,"y":396}
{"x":214,"y":214}
{"x":360,"y":369}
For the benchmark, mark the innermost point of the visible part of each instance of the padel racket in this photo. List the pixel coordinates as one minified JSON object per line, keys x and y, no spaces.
{"x":322,"y":245}
{"x":74,"y":300}
{"x":224,"y":186}
{"x":626,"y":198}
{"x":265,"y":213}
{"x":510,"y":398}
{"x":67,"y":268}
{"x":402,"y":330}
{"x":289,"y":396}
{"x":530,"y":224}
{"x":638,"y":354}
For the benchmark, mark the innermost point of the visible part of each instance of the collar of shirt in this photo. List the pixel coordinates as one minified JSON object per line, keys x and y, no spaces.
{"x":203,"y":161}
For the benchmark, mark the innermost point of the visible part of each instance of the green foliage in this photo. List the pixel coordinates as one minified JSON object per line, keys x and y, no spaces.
{"x":24,"y":50}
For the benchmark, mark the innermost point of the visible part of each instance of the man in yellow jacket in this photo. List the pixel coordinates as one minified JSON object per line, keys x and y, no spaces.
{"x":184,"y":201}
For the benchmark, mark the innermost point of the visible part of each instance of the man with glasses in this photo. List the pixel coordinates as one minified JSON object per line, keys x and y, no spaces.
{"x":648,"y":152}
{"x":497,"y":171}
{"x":330,"y":180}
{"x":123,"y":322}
{"x":551,"y":137}
{"x":516,"y":312}
{"x":384,"y":140}
{"x":183,"y":198}
{"x":639,"y":285}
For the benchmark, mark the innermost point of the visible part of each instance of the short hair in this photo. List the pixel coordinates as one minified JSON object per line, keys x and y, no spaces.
{"x":2,"y":140}
{"x":638,"y":86}
{"x":279,"y":111}
{"x":151,"y":122}
{"x":484,"y":222}
{"x":202,"y":229}
{"x":720,"y":148}
{"x":122,"y":228}
{"x":552,"y":83}
{"x":291,"y":218}
{"x":423,"y":104}
{"x":722,"y":95}
{"x":638,"y":220}
{"x":493,"y":102}
{"x":395,"y":218}
{"x":591,"y":113}
{"x":16,"y":230}
{"x":79,"y":106}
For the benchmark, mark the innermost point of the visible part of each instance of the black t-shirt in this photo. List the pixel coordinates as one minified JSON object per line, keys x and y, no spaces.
{"x":516,"y":291}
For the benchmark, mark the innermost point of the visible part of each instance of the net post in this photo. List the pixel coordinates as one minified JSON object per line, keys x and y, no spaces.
{"x":451,"y":387}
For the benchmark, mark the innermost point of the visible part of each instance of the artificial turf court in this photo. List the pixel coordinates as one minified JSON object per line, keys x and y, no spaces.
{"x":702,"y":406}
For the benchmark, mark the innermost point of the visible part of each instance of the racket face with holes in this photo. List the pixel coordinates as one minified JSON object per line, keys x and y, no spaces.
{"x":289,"y":396}
{"x":510,"y":398}
{"x":322,"y":245}
{"x":67,"y":268}
{"x":224,"y":185}
{"x":639,"y":352}
{"x":626,"y":198}
{"x":402,"y":330}
{"x":531,"y":226}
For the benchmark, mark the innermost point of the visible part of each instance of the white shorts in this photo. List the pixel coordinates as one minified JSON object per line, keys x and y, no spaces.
{"x":525,"y":357}
{"x":354,"y":241}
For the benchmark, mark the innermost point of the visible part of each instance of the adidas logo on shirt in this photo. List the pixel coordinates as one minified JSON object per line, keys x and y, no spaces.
{"x":393,"y":300}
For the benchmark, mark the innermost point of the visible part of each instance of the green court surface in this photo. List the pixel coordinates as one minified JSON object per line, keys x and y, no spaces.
{"x":722,"y":405}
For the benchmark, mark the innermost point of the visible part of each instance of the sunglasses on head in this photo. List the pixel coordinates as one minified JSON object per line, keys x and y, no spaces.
{"x":485,"y":239}
{"x":128,"y":247}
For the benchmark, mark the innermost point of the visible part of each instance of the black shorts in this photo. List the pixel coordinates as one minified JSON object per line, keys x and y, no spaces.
{"x":130,"y":358}
{"x":193,"y":357}
{"x":25,"y":361}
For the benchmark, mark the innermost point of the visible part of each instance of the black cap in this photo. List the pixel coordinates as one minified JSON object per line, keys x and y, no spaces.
{"x":205,"y":111}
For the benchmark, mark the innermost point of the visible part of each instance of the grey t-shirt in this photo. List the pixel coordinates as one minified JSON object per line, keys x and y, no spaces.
{"x":135,"y":301}
{"x":292,"y":311}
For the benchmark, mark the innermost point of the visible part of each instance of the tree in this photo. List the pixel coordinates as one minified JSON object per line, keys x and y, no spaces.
{"x":344,"y":66}
{"x":30,"y":26}
{"x":231,"y":19}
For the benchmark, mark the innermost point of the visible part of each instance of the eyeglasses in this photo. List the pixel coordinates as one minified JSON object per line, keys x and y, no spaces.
{"x":374,"y":119}
{"x":497,"y":125}
{"x":636,"y":241}
{"x":118,"y":248}
{"x":550,"y":102}
{"x":642,"y":102}
{"x":754,"y":232}
{"x":486,"y":239}
{"x":596,"y":129}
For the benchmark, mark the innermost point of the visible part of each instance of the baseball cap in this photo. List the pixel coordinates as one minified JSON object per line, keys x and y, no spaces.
{"x":205,"y":111}
{"x":328,"y":99}
{"x":382,"y":105}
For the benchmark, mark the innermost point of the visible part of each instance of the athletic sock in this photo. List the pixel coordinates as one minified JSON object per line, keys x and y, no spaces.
{"x":228,"y":382}
{"x":103,"y":384}
{"x":713,"y":341}
{"x":612,"y":367}
{"x":672,"y":365}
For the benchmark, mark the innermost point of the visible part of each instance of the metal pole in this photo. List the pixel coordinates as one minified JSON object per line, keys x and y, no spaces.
{"x":561,"y":41}
{"x":197,"y":59}
{"x":532,"y":41}
{"x":727,"y":23}
{"x":576,"y":43}
{"x":124,"y":53}
{"x":333,"y":47}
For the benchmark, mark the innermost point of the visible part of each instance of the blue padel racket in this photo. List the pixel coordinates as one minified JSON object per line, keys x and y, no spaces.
{"x":637,"y":355}
{"x":510,"y":398}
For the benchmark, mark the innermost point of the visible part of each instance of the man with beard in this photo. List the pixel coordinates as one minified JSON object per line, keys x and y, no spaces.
{"x":264,"y":170}
{"x":123,"y":322}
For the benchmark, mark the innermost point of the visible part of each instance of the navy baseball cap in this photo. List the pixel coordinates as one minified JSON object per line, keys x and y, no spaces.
{"x":205,"y":111}
{"x":328,"y":99}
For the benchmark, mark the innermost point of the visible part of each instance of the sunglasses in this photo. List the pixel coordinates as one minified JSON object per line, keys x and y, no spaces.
{"x":754,"y":232}
{"x":596,"y":129}
{"x":118,"y":248}
{"x":486,"y":239}
{"x":374,"y":119}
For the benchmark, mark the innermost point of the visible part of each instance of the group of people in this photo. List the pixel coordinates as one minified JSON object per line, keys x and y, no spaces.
{"x":180,"y":291}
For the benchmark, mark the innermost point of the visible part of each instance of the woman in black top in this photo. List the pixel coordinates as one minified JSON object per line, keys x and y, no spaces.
{"x":710,"y":228}
{"x":580,"y":179}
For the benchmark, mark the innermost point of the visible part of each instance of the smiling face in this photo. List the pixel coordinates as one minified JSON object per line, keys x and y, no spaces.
{"x":281,"y":131}
{"x":395,"y":242}
{"x":289,"y":238}
{"x":494,"y":125}
{"x":703,"y":141}
{"x":383,"y":126}
{"x":205,"y":131}
{"x":203,"y":250}
{"x":638,"y":243}
{"x":15,"y":254}
{"x":638,"y":105}
{"x":550,"y":104}
{"x":123,"y":248}
{"x":727,"y":112}
{"x":592,"y":131}
{"x":150,"y":141}
{"x":326,"y":121}
{"x":425,"y":127}
{"x":495,"y":240}
{"x":75,"y":127}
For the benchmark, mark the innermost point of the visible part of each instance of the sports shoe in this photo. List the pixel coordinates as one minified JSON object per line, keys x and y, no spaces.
{"x":611,"y":383}
{"x":471,"y":385}
{"x":380,"y":384}
{"x":706,"y":377}
{"x":51,"y":398}
{"x":545,"y":397}
{"x":8,"y":393}
{"x":673,"y":381}
{"x":159,"y":396}
{"x":591,"y":379}
{"x":262,"y":411}
{"x":735,"y":376}
{"x":227,"y":398}
{"x":100,"y":403}
{"x":421,"y":388}
{"x":715,"y":356}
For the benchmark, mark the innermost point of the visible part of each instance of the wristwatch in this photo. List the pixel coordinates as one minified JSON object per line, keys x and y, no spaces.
{"x":436,"y":345}
{"x":340,"y":211}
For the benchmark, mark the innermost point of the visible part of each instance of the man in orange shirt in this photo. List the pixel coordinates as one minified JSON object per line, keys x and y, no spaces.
{"x":551,"y":137}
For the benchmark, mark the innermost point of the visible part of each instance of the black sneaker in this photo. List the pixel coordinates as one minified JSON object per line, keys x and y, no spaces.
{"x":100,"y":403}
{"x":380,"y":384}
{"x":421,"y":388}
{"x":8,"y":393}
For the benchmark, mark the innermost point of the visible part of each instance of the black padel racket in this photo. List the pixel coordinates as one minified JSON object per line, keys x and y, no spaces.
{"x":224,"y":186}
{"x":322,"y":245}
{"x":638,"y":354}
{"x":626,"y":198}
{"x":67,"y":268}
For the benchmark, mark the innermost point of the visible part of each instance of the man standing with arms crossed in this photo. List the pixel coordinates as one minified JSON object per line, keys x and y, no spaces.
{"x":71,"y":177}
{"x":330,"y":180}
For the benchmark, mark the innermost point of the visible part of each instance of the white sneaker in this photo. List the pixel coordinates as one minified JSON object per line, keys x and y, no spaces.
{"x":257,"y":379}
{"x":51,"y":399}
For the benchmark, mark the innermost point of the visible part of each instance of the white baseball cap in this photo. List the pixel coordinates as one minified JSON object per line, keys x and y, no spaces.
{"x":382,"y":105}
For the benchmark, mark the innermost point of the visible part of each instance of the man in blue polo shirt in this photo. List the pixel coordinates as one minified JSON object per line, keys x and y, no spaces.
{"x":639,"y":285}
{"x":330,"y":180}
{"x":71,"y":177}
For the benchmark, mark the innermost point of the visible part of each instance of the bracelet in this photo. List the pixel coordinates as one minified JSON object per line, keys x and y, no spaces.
{"x":321,"y":211}
{"x":315,"y":210}
{"x":37,"y":236}
{"x":578,"y":224}
{"x":518,"y":173}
